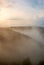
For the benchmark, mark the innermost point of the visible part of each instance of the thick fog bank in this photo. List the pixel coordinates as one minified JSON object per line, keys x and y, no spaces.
{"x":15,"y":46}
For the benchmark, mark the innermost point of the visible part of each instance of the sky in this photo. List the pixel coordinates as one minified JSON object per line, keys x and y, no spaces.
{"x":21,"y":12}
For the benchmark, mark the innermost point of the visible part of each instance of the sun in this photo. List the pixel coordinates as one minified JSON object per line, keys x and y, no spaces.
{"x":3,"y":14}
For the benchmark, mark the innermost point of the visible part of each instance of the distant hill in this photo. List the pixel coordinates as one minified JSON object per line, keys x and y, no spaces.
{"x":22,"y":27}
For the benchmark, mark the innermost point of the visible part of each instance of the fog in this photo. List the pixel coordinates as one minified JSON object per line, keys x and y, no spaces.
{"x":16,"y":45}
{"x":37,"y":34}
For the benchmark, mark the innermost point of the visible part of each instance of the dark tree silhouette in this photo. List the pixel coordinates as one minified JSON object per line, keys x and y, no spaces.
{"x":26,"y":62}
{"x":41,"y":63}
{"x":15,"y":63}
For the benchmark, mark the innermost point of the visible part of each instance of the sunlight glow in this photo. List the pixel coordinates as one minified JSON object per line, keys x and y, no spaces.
{"x":3,"y":14}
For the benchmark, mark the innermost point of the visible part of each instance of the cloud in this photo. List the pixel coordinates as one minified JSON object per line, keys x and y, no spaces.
{"x":38,"y":4}
{"x":6,"y":3}
{"x":28,"y":10}
{"x":40,"y":22}
{"x":2,"y":3}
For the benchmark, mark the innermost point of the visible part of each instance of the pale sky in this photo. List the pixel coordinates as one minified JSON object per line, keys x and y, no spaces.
{"x":22,"y":12}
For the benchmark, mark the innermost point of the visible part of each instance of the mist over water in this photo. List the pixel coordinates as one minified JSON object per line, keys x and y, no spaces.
{"x":37,"y":34}
{"x":18,"y":44}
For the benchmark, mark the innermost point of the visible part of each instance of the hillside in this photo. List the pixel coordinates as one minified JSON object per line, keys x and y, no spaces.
{"x":16,"y":47}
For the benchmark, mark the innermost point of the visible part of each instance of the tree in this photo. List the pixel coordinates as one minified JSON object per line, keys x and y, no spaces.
{"x":26,"y":62}
{"x":41,"y":63}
